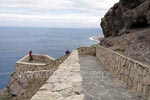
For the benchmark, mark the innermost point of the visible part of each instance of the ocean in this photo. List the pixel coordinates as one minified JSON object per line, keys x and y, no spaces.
{"x":15,"y":43}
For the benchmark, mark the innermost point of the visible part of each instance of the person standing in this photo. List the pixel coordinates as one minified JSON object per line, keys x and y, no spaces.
{"x":30,"y":56}
{"x":67,"y":52}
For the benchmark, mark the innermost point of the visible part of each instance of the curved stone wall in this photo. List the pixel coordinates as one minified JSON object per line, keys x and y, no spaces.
{"x":40,"y":62}
{"x":29,"y":77}
{"x":37,"y":70}
{"x":38,"y":58}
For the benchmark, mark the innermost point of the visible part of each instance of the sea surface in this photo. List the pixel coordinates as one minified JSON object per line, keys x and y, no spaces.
{"x":15,"y":43}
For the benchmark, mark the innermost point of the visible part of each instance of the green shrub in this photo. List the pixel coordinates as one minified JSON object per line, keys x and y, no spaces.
{"x":120,"y":50}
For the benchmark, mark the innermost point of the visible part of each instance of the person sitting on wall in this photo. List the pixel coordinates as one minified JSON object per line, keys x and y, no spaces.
{"x":30,"y":56}
{"x":67,"y":52}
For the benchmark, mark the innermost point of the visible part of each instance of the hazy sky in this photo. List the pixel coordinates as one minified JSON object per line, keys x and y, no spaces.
{"x":53,"y":13}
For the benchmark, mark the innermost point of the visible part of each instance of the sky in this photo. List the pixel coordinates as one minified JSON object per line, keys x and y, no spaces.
{"x":53,"y":13}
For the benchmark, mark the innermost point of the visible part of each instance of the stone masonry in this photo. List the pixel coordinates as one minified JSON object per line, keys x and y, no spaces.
{"x":99,"y":84}
{"x":89,"y":73}
{"x":82,"y":77}
{"x":30,"y":76}
{"x":65,"y":83}
{"x":135,"y":74}
{"x":39,"y":63}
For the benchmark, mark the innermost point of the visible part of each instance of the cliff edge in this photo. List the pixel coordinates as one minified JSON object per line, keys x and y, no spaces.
{"x":126,"y":27}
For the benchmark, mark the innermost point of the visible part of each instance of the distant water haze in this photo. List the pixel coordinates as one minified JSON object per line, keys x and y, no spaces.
{"x":15,"y":43}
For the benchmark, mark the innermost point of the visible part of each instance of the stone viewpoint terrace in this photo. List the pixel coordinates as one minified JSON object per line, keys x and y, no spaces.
{"x":97,"y":73}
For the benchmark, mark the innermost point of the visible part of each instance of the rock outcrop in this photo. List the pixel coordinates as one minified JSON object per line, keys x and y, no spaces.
{"x":126,"y":27}
{"x":126,"y":15}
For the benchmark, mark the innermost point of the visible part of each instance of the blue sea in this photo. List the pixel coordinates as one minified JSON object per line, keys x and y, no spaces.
{"x":15,"y":43}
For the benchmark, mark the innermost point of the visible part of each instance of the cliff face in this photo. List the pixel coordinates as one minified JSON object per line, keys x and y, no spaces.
{"x":126,"y":29}
{"x":126,"y":15}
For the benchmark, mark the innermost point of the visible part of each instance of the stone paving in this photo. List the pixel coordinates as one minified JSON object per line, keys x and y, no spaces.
{"x":65,"y":83}
{"x":98,"y":84}
{"x":83,"y":78}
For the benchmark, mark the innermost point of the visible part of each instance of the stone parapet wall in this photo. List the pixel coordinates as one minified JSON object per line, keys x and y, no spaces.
{"x":38,"y":58}
{"x":23,"y":67}
{"x":57,"y":62}
{"x":40,"y":62}
{"x":87,"y":50}
{"x":135,"y":74}
{"x":29,"y":77}
{"x":43,"y":58}
{"x":38,"y":71}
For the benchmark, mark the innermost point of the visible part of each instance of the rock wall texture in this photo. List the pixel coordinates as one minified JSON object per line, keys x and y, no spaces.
{"x":136,"y":75}
{"x":127,"y":14}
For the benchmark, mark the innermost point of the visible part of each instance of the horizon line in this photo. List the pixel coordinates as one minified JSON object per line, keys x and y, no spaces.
{"x":50,"y":27}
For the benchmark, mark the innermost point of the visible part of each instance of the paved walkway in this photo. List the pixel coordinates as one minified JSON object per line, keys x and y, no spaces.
{"x":83,"y":78}
{"x":99,"y":85}
{"x":65,"y":83}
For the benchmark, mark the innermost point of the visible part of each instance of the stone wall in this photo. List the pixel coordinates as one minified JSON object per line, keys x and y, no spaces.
{"x":45,"y":62}
{"x":38,"y":58}
{"x":40,"y":62}
{"x":57,"y":62}
{"x":29,"y":77}
{"x":135,"y":74}
{"x":39,"y":73}
{"x":65,"y":83}
{"x":87,"y":50}
{"x":23,"y":67}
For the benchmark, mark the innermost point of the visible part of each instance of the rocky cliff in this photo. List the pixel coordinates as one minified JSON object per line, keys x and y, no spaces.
{"x":126,"y":29}
{"x":126,"y":15}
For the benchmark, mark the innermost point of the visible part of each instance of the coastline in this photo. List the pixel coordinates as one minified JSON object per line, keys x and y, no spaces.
{"x":96,"y":38}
